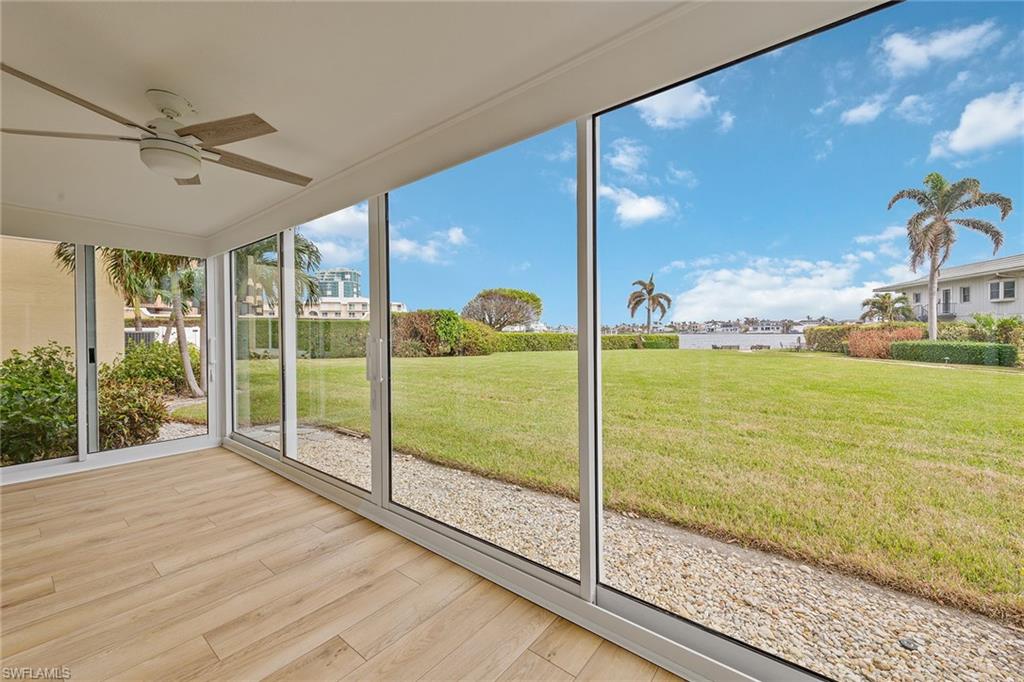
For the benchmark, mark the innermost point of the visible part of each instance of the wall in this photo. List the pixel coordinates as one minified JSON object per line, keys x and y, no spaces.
{"x":37,"y":301}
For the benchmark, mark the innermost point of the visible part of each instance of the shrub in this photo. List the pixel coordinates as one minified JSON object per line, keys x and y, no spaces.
{"x":516,"y":342}
{"x":436,"y":332}
{"x":1006,"y":327}
{"x":500,"y":308}
{"x":157,"y":363}
{"x":874,"y":343}
{"x":959,"y":331}
{"x":131,"y":410}
{"x":38,"y":399}
{"x":324,"y":338}
{"x":477,"y":339}
{"x":956,"y":352}
{"x":829,"y":338}
{"x":1016,"y":339}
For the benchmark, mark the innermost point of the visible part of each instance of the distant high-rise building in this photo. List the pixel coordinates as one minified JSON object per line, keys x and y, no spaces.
{"x":339,"y":283}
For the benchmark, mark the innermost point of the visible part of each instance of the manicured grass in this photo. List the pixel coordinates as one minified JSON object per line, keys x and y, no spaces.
{"x":911,"y":475}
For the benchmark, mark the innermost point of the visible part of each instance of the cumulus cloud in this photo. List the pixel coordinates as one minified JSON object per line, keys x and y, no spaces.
{"x":456,"y":236}
{"x":409,"y":249}
{"x":900,"y":272}
{"x":627,"y":156}
{"x":677,"y":107}
{"x":726,"y":120}
{"x":985,"y":123}
{"x":865,"y":112}
{"x":632,"y":209}
{"x":341,"y":237}
{"x":915,"y":109}
{"x":681,"y":176}
{"x":567,"y":152}
{"x":775,"y":288}
{"x":904,"y":54}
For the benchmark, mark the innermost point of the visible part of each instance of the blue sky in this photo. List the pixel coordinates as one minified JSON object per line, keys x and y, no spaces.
{"x":760,"y":190}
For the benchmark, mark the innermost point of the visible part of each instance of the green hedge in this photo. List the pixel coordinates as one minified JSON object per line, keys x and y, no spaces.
{"x":422,"y":334}
{"x":829,"y":338}
{"x":957,"y":352}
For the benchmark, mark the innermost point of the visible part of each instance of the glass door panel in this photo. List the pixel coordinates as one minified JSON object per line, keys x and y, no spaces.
{"x":332,"y":288}
{"x":256,"y":281}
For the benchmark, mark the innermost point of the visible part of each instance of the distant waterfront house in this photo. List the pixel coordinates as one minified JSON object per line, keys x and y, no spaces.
{"x":988,"y":286}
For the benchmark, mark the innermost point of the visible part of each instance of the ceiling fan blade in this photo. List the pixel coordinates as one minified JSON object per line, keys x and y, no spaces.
{"x":226,"y":130}
{"x":244,"y":163}
{"x":194,"y":180}
{"x":73,"y":136}
{"x":71,"y":98}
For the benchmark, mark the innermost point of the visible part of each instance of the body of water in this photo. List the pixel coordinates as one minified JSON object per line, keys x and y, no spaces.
{"x":741,"y":340}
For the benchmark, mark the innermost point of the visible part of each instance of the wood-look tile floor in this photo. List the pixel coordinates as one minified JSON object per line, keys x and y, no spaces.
{"x":208,"y":566}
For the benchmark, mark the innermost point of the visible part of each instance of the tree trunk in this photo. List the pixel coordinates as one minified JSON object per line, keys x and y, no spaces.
{"x":203,"y":373}
{"x":169,"y":327}
{"x":933,"y":298}
{"x":137,"y":309}
{"x":179,"y":324}
{"x":649,"y":328}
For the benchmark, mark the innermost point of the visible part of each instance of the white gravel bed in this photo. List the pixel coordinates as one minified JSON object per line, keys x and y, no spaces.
{"x":845,"y":628}
{"x":173,"y":429}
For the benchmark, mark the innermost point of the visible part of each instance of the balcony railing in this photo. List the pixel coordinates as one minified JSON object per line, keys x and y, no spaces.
{"x":943,"y":309}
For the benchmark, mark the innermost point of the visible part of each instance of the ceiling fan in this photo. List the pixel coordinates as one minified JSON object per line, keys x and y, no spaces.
{"x":165,"y":146}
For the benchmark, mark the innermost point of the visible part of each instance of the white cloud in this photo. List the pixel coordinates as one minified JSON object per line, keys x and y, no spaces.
{"x":825,"y":106}
{"x":900,"y":272}
{"x":960,"y":82}
{"x":906,"y":54}
{"x":985,"y":122}
{"x":915,"y":109}
{"x":695,"y":264}
{"x":682,"y":176}
{"x":567,"y":152}
{"x":726,"y":120}
{"x":865,"y":112}
{"x":333,"y":254}
{"x":825,"y":150}
{"x":887,"y":235}
{"x":677,"y":107}
{"x":775,"y":288}
{"x":627,"y":156}
{"x":456,"y":236}
{"x":353,"y":221}
{"x":410,"y":249}
{"x":632,"y":209}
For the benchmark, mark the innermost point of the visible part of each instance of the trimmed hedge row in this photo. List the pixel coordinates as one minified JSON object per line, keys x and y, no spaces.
{"x":956,"y":352}
{"x":424,"y":333}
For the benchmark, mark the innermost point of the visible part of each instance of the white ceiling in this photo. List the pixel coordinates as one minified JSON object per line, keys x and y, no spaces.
{"x":348,"y":86}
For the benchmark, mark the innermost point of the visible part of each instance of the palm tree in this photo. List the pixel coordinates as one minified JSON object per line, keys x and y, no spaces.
{"x":261,"y":271}
{"x":931,"y":232}
{"x":654,"y":300}
{"x":886,"y":308}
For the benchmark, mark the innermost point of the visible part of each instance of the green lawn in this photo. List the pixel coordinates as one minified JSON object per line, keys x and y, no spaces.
{"x":912,"y":475}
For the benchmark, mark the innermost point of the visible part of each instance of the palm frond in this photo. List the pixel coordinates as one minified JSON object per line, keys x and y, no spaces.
{"x":955,"y":193}
{"x":1003,"y":203}
{"x":983,"y":226}
{"x":920,"y":196}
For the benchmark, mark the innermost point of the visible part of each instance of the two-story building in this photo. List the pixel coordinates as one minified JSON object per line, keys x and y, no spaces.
{"x":988,"y":286}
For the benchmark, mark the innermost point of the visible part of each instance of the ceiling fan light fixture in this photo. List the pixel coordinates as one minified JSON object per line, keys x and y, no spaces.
{"x":169,"y":158}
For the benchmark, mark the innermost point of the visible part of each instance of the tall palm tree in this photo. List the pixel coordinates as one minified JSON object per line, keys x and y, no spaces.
{"x":655,"y":300}
{"x":261,"y":270}
{"x":931,"y":232}
{"x":886,"y":308}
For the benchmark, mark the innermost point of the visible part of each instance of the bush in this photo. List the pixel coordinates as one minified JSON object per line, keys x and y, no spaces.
{"x":324,"y":338}
{"x":157,"y":363}
{"x":38,"y":399}
{"x":1016,"y":339}
{"x":959,"y":331}
{"x":829,"y":338}
{"x":874,"y":343}
{"x":956,"y":352}
{"x":426,"y":332}
{"x":477,"y":339}
{"x":131,"y":410}
{"x":517,"y":342}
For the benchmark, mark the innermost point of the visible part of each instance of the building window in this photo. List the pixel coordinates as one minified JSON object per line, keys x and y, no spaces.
{"x":965,"y":294}
{"x":917,"y":298}
{"x":1007,"y":293}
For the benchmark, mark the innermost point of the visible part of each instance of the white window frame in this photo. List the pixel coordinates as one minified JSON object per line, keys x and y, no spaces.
{"x":967,"y":298}
{"x":1001,"y":284}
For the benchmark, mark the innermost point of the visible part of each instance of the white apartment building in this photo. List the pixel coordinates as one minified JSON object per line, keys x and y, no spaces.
{"x":988,"y":286}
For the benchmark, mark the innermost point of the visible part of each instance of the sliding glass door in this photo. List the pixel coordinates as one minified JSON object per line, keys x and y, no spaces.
{"x":256,"y":332}
{"x":483,"y":350}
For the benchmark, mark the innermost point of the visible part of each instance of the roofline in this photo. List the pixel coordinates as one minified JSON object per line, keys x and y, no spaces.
{"x":994,"y":273}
